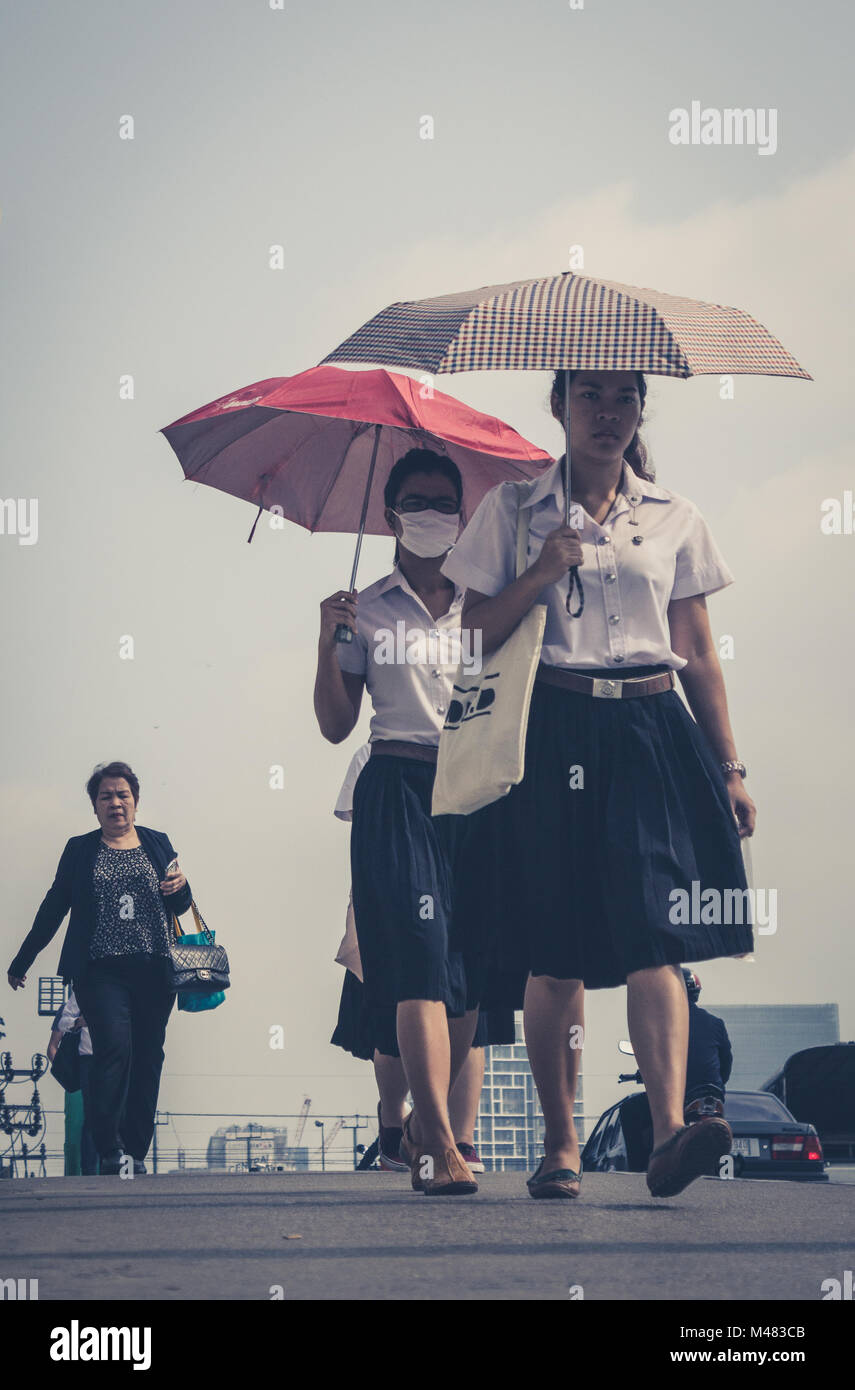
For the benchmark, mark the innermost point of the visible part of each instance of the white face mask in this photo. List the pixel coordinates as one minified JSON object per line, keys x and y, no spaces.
{"x":428,"y":533}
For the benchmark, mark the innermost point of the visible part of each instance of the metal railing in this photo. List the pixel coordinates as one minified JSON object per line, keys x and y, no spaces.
{"x":238,"y":1141}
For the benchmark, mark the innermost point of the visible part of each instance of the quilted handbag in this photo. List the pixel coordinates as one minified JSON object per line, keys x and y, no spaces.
{"x":199,"y":1003}
{"x":200,"y":968}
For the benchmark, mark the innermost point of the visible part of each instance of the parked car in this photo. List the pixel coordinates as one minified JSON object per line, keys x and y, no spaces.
{"x":768,"y":1142}
{"x":818,"y":1086}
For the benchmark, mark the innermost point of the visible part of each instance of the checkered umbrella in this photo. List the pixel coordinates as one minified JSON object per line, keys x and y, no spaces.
{"x":572,"y":322}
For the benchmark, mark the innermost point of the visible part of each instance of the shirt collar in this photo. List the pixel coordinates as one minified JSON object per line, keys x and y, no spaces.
{"x":397,"y":579}
{"x":550,"y":484}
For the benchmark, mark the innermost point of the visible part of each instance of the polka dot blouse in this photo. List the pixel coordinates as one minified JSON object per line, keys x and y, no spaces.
{"x":131,"y":919}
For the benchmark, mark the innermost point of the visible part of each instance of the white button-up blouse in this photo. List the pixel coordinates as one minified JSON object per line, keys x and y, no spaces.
{"x":651,"y":548}
{"x":407,"y":658}
{"x":344,"y":803}
{"x":69,"y":1015}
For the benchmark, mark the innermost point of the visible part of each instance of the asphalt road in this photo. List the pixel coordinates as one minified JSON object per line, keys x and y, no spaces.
{"x":366,"y":1236}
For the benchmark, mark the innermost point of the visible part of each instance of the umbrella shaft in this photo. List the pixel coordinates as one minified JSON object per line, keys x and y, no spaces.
{"x":364,"y":508}
{"x":567,"y":448}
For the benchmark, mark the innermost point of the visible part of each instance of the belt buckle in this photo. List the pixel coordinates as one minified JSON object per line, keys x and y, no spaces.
{"x":607,"y":689}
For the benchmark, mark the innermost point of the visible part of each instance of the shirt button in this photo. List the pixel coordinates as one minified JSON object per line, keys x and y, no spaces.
{"x":436,"y":673}
{"x":610,"y":578}
{"x":614,"y":618}
{"x":440,"y":709}
{"x":605,"y":540}
{"x":617,"y":658}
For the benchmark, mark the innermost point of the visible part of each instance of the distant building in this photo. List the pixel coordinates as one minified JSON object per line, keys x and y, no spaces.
{"x":763,"y":1036}
{"x":241,"y":1147}
{"x":509,"y":1132}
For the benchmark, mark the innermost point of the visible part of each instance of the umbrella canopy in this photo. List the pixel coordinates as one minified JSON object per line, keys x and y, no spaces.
{"x":309,"y":443}
{"x":570,"y":321}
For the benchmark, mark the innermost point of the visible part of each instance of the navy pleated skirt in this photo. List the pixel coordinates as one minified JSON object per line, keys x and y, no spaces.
{"x":402,"y":873}
{"x":360,"y":1029}
{"x":573,"y":874}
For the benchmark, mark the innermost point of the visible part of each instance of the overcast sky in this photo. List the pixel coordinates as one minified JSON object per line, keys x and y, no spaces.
{"x":254,"y":127}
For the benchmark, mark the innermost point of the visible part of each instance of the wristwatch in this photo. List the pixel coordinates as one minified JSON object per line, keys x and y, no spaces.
{"x":734,"y":765}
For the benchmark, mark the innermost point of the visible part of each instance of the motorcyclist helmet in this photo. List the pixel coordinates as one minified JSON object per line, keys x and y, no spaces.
{"x":693,"y":985}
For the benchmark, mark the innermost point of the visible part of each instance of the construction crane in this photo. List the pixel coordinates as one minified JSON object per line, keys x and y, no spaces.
{"x":301,"y":1122}
{"x":334,"y":1131}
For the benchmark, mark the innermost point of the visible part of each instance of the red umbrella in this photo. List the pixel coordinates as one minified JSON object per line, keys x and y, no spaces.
{"x":312,"y":444}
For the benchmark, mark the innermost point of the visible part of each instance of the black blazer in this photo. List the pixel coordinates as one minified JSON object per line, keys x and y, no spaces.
{"x":73,"y":888}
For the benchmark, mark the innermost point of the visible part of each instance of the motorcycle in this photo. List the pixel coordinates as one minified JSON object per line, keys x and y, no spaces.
{"x":699,"y":1101}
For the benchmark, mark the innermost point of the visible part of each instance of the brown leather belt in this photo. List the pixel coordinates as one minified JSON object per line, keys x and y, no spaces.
{"x":606,"y":689}
{"x":395,"y":748}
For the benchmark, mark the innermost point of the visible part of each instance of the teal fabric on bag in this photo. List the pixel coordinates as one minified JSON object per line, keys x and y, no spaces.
{"x":195,"y":1003}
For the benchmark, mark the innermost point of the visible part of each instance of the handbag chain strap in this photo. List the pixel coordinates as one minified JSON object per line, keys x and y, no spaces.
{"x":200,"y":923}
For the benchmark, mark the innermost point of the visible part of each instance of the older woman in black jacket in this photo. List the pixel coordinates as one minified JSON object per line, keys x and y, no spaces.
{"x":122,"y":884}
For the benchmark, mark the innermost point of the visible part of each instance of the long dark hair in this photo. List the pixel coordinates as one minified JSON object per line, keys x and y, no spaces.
{"x":420,"y":461}
{"x":635,"y":453}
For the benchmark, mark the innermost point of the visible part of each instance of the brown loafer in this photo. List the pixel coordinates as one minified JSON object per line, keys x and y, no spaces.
{"x":444,"y":1173}
{"x":693,"y":1152}
{"x":436,"y":1172}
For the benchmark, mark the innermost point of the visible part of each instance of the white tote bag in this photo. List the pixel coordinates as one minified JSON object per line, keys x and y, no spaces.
{"x":482,"y":744}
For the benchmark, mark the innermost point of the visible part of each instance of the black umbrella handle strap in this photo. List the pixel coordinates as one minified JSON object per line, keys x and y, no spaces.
{"x":254,"y":524}
{"x":576,"y":581}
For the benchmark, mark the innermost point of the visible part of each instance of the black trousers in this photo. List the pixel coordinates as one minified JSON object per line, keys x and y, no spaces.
{"x":126,"y":1002}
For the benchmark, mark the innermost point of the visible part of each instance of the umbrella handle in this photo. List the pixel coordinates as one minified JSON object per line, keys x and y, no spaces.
{"x":575,"y":581}
{"x":343,"y":633}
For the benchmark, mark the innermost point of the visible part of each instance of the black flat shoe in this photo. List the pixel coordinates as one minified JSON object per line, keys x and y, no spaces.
{"x":562,"y":1182}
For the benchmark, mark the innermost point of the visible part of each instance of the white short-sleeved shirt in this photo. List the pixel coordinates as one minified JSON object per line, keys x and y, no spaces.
{"x":344,"y":804}
{"x":348,"y":951}
{"x":628,"y":586}
{"x":410,"y":696}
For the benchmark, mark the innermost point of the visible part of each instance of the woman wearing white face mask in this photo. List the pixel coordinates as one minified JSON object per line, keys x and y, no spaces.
{"x":405,"y":651}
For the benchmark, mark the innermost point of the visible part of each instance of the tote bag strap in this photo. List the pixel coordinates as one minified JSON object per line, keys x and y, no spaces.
{"x":200,"y":923}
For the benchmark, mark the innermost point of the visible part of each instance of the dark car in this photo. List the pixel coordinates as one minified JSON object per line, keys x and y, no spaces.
{"x":767,"y":1141}
{"x":818,"y":1086}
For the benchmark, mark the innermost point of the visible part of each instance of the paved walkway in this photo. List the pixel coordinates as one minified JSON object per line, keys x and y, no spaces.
{"x":367,"y":1236}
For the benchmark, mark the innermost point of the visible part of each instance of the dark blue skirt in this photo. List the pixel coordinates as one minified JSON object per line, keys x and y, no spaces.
{"x":402,"y":873}
{"x":577,"y":882}
{"x":360,"y":1029}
